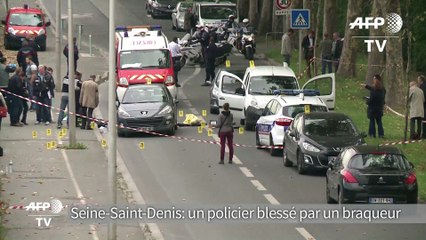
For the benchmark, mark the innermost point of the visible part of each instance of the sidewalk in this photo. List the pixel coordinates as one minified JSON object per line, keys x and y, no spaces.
{"x":71,"y":176}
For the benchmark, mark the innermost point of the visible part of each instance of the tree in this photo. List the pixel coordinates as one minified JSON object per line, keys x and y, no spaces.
{"x":243,"y":9}
{"x":376,"y":59}
{"x":266,"y":17}
{"x":394,"y":63}
{"x":347,"y":66}
{"x":253,"y":12}
{"x":330,"y":16}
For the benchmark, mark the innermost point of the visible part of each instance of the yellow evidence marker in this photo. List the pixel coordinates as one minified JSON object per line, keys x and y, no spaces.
{"x":200,"y":129}
{"x":210,"y":132}
{"x":228,"y":63}
{"x":180,"y":113}
{"x":103,"y":143}
{"x":53,"y":144}
{"x":34,"y":134}
{"x":148,"y":81}
{"x":241,"y":130}
{"x":49,"y":145}
{"x":64,"y":132}
{"x":204,"y":113}
{"x":251,"y":64}
{"x":92,"y":125}
{"x":142,"y":145}
{"x":48,"y":132}
{"x":307,"y":108}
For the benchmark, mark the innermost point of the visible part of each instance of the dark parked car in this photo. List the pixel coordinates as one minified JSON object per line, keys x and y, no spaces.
{"x":313,"y":139}
{"x":148,"y":107}
{"x":370,"y":174}
{"x":161,"y":8}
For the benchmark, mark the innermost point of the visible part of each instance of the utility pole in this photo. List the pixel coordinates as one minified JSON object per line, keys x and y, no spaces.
{"x":71,"y":76}
{"x":112,"y":122}
{"x":58,"y":47}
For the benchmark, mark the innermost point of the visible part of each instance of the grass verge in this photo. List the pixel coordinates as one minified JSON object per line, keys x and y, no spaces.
{"x":349,"y":100}
{"x":77,"y":146}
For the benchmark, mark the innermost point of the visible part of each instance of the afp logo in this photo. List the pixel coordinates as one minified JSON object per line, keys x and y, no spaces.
{"x":392,"y":20}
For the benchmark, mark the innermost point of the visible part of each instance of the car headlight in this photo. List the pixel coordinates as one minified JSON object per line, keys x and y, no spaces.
{"x":250,"y":39}
{"x":11,"y":31}
{"x":122,"y":113}
{"x":41,"y":32}
{"x":166,"y":110}
{"x":310,"y":147}
{"x":123,"y":81}
{"x":169,"y":80}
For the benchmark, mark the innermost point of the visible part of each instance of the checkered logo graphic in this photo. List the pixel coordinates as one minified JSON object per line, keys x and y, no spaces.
{"x":393,"y":23}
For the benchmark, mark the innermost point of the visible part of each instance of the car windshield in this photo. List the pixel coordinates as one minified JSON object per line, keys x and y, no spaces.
{"x":184,"y":6}
{"x":142,"y":59}
{"x":26,"y":19}
{"x":377,"y":161}
{"x":169,"y":2}
{"x":266,"y":85}
{"x":145,"y":94}
{"x":217,"y":12}
{"x":330,"y":127}
{"x":292,"y":111}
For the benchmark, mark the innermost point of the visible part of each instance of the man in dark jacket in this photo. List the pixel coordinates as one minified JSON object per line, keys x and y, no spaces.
{"x":26,"y":51}
{"x":44,"y":87}
{"x":202,"y":36}
{"x":422,"y":84}
{"x":308,"y":45}
{"x":75,"y":55}
{"x":189,"y":21}
{"x":336,"y":49}
{"x":211,"y":52}
{"x":16,"y":87}
{"x":376,"y":103}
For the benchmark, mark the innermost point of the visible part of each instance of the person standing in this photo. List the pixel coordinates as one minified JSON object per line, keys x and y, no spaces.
{"x":15,"y":86}
{"x":31,"y":74}
{"x":78,"y":84}
{"x":75,"y":54}
{"x":64,"y":101}
{"x":422,"y":85}
{"x":4,"y":75}
{"x":89,"y":100}
{"x":3,"y":105}
{"x":226,"y":132}
{"x":210,"y":62}
{"x":375,"y":103}
{"x":188,"y":21}
{"x":202,"y":36}
{"x":287,"y":46}
{"x":416,"y":99}
{"x":308,"y":44}
{"x":336,"y":49}
{"x":326,"y":53}
{"x":24,"y":52}
{"x":176,"y":55}
{"x":44,"y":90}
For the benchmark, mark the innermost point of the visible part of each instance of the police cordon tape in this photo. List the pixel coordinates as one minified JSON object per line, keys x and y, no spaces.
{"x":141,"y":130}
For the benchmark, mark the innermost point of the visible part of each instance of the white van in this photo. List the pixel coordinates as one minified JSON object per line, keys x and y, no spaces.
{"x":213,"y":13}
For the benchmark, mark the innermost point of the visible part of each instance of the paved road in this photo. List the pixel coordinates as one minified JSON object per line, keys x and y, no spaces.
{"x":171,"y":171}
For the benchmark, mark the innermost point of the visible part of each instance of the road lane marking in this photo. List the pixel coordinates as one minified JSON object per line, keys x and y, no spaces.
{"x":258,"y":185}
{"x":305,"y":234}
{"x":271,"y":199}
{"x":246,"y":172}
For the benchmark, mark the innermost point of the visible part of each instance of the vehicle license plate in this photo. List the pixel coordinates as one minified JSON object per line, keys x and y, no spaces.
{"x":381,"y":200}
{"x":146,"y":128}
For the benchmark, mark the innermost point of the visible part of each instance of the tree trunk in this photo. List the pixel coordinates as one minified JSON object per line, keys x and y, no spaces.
{"x":394,"y":63}
{"x":266,"y":18}
{"x":317,"y":63}
{"x":253,"y":12}
{"x":243,"y":9}
{"x":376,"y":59}
{"x":347,"y":66}
{"x":330,"y":16}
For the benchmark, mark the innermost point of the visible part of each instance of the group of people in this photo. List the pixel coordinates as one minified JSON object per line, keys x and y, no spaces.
{"x":417,"y":107}
{"x":330,"y":50}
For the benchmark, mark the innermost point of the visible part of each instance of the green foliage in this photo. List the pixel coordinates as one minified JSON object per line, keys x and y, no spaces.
{"x":78,"y":146}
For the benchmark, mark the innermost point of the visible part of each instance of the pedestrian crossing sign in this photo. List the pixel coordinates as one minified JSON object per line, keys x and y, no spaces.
{"x":300,"y":18}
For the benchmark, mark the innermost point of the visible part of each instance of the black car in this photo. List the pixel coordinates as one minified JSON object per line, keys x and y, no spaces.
{"x":148,"y":107}
{"x":370,"y":174}
{"x":161,"y":8}
{"x":314,"y":139}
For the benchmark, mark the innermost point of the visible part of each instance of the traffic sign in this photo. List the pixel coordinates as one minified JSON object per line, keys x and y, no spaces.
{"x":300,"y":18}
{"x":283,"y":4}
{"x":282,"y":12}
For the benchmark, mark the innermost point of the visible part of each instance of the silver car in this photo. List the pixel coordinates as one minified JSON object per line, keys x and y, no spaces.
{"x":178,"y":15}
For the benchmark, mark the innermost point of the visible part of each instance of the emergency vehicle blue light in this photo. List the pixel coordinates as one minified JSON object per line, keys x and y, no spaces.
{"x":294,"y":92}
{"x":120,"y":28}
{"x":155,"y":27}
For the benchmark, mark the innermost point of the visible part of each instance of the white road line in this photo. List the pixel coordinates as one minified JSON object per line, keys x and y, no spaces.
{"x":305,"y":234}
{"x":246,"y":172}
{"x":258,"y":185}
{"x":77,"y":188}
{"x":153,"y":230}
{"x":271,"y":199}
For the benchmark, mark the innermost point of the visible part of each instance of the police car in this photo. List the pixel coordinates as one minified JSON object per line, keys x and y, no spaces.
{"x":280,"y":111}
{"x":248,"y":96}
{"x":25,"y":22}
{"x":143,"y":57}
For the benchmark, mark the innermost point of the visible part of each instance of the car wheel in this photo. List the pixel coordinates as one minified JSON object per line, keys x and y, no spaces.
{"x":258,"y":145}
{"x":6,"y":43}
{"x":121,"y":133}
{"x":272,"y":148}
{"x":327,"y":194}
{"x":341,"y":197}
{"x":300,"y":165}
{"x":248,"y":127}
{"x":214,"y":110}
{"x":172,"y":131}
{"x":43,"y":46}
{"x":286,"y":161}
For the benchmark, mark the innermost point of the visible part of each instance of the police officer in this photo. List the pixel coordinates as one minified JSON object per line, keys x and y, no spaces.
{"x":211,"y":52}
{"x":176,"y":55}
{"x":203,"y":37}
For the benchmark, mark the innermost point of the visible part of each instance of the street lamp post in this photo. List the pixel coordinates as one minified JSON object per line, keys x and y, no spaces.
{"x":58,"y":47}
{"x":71,"y":77}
